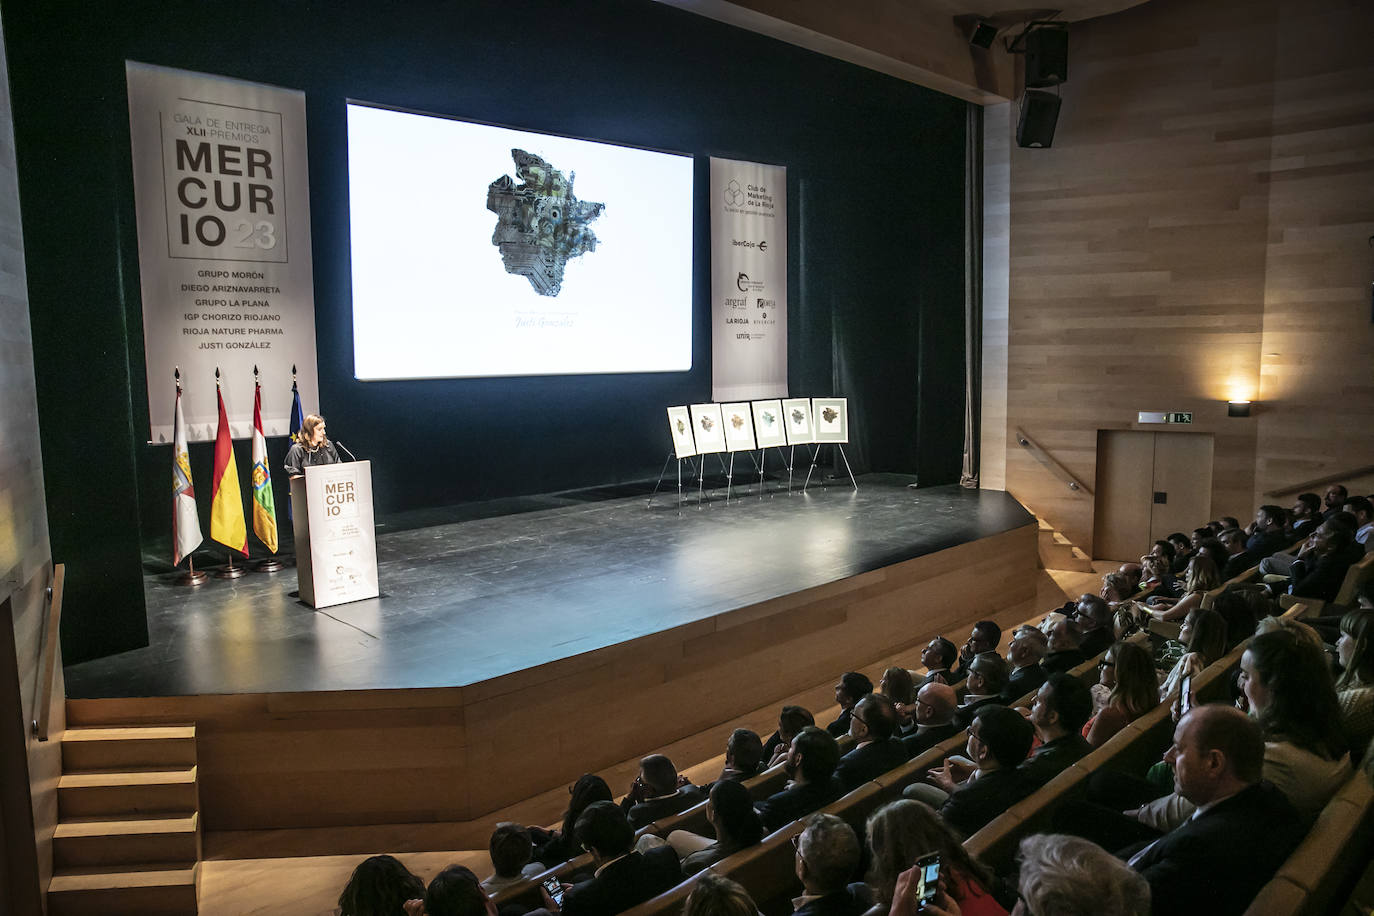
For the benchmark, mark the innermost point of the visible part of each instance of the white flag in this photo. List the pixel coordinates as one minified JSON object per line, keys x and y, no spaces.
{"x":186,"y":535}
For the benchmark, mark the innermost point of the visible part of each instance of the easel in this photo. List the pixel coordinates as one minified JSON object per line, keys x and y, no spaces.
{"x":816,"y":454}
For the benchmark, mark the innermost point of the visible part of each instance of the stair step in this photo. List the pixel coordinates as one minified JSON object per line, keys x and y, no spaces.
{"x":127,"y":792}
{"x":84,"y":842}
{"x":166,"y":889}
{"x":126,"y":747}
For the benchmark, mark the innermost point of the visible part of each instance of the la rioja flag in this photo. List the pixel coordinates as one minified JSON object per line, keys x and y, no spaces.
{"x":226,"y":508}
{"x":186,"y":535}
{"x":264,"y":507}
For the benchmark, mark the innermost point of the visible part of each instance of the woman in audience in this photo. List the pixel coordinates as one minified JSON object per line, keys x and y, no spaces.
{"x":1129,"y":674}
{"x":1158,"y":577}
{"x":897,"y":685}
{"x":558,"y":846}
{"x":1203,"y":636}
{"x":1116,"y":588}
{"x":379,"y":886}
{"x":713,"y":895}
{"x":1355,"y":689}
{"x":730,"y":811}
{"x":1202,"y":578}
{"x":901,"y":832}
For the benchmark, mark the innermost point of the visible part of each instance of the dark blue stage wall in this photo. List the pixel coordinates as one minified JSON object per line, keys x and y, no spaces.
{"x":875,"y":188}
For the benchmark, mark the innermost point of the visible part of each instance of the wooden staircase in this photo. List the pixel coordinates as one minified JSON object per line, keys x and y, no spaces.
{"x":128,"y":833}
{"x":1057,"y":552}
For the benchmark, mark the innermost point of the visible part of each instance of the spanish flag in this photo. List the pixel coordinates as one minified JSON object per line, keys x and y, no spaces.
{"x":264,"y":507}
{"x":226,"y":507}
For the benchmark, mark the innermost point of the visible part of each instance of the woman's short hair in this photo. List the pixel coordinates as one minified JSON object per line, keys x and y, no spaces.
{"x":1069,"y":876}
{"x":380,"y":884}
{"x":713,"y":895}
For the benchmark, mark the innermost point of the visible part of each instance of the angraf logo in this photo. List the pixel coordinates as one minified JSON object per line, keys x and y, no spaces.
{"x":743,"y":243}
{"x":734,"y":194}
{"x":739,"y":303}
{"x":744,"y":284}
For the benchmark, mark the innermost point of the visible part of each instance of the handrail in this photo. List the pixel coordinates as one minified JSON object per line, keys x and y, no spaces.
{"x":48,"y":649}
{"x":1365,"y":471}
{"x":1049,"y":461}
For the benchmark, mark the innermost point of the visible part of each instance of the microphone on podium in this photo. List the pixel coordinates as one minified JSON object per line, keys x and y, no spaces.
{"x":345,"y":449}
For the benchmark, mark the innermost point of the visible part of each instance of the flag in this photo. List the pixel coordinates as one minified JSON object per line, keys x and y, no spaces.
{"x":264,"y":508}
{"x":186,"y":535}
{"x":297,"y":421}
{"x":226,"y":506}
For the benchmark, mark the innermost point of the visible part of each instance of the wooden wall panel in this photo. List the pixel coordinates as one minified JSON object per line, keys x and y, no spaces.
{"x":997,"y":137}
{"x":453,"y":755}
{"x":1197,"y":232}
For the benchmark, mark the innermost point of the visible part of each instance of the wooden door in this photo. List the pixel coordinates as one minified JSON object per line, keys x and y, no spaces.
{"x":1125,"y":476}
{"x":1183,"y":475}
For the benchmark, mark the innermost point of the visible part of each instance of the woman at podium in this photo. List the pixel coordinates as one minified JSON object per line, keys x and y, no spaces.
{"x":311,"y":447}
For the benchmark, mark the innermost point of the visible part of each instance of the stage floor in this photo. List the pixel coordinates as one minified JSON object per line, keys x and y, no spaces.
{"x":466,"y":601}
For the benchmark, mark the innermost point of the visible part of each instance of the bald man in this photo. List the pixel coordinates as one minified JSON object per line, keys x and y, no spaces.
{"x":934,"y":718}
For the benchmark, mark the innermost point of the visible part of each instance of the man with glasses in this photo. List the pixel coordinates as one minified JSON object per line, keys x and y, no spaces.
{"x":1028,"y":646}
{"x":827,"y":857}
{"x":877,"y":749}
{"x":987,"y":677}
{"x":985,"y":637}
{"x":934,"y":718}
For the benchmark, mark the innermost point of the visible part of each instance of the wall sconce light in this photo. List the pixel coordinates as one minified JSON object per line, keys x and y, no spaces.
{"x":1237,"y":408}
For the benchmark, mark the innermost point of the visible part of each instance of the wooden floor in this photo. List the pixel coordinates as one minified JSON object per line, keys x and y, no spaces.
{"x":235,"y":881}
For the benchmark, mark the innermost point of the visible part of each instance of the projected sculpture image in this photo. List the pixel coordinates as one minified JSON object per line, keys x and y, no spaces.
{"x":540,"y":223}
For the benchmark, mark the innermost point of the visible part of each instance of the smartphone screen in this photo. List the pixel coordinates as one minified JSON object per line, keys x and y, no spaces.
{"x":1185,"y":696}
{"x":555,"y":889}
{"x":928,"y":882}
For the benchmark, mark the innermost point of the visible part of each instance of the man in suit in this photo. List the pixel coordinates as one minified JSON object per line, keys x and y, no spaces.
{"x":1363,"y":510}
{"x":827,"y":856}
{"x":934,"y":718}
{"x":998,"y":740}
{"x":987,"y":678}
{"x":1094,"y":618}
{"x":810,"y":767}
{"x":1061,"y":708}
{"x":1066,"y":639}
{"x":1215,"y":862}
{"x":1266,"y":533}
{"x":658,"y":792}
{"x":938,"y":657}
{"x":743,"y":756}
{"x":852,"y":688}
{"x":1332,"y":500}
{"x":985,"y":637}
{"x":1239,"y":559}
{"x":1027,"y":647}
{"x":1305,"y":515}
{"x":623,"y":878}
{"x":877,"y":748}
{"x":791,"y":720}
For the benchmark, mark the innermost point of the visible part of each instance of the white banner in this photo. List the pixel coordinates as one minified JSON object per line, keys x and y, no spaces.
{"x":335,"y":534}
{"x":221,"y":195}
{"x":748,"y":280}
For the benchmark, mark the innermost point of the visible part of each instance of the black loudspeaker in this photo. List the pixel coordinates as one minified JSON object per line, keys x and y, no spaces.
{"x":1039,"y":115}
{"x":1047,"y":56}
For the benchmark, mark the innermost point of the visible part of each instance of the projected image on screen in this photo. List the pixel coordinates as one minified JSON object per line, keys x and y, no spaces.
{"x":484,"y":251}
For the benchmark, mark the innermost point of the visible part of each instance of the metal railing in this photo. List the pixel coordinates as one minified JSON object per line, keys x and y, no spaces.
{"x":1051,"y":463}
{"x":47,"y":667}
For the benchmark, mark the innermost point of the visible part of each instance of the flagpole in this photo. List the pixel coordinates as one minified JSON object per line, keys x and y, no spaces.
{"x":191,"y":576}
{"x":231,"y":571}
{"x":268,"y":564}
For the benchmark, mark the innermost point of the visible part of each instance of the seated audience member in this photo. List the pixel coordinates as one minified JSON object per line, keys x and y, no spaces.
{"x":1132,"y":572}
{"x":1214,"y":863}
{"x":998,"y":741}
{"x":1069,"y":876}
{"x":1094,"y":618}
{"x":730,"y":812}
{"x":1116,"y":588}
{"x":1203,"y":636}
{"x":987,"y":677}
{"x":1060,"y":710}
{"x":1027,"y":647}
{"x":1319,"y":569}
{"x":743,"y":756}
{"x":934,"y":718}
{"x":1239,"y":559}
{"x":510,"y":849}
{"x":1213,"y":550}
{"x":1305,"y":515}
{"x":379,"y":886}
{"x":1363,"y":510}
{"x":624,"y":877}
{"x":1202,"y":577}
{"x":938,"y":657}
{"x":810,"y":768}
{"x":1159,"y":577}
{"x":1128,"y":673}
{"x":877,"y":748}
{"x":898,"y":686}
{"x":456,"y":892}
{"x":1265,"y":535}
{"x":554,"y":848}
{"x":903,"y":831}
{"x":1355,"y":688}
{"x":1242,"y":608}
{"x":1334,"y":497}
{"x":827,"y":856}
{"x":1162,"y":548}
{"x":1066,"y":640}
{"x":658,"y":792}
{"x":985,"y":637}
{"x":852,"y":688}
{"x":791,"y":721}
{"x":715,"y":895}
{"x":1199,"y":536}
{"x":1229,"y":523}
{"x":1183,"y":551}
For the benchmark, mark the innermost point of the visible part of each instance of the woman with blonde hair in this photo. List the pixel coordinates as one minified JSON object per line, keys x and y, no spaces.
{"x":1202,"y":578}
{"x":1129,"y":673}
{"x":311,"y":448}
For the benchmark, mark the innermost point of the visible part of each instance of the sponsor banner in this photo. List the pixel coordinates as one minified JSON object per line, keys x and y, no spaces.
{"x":748,"y":280}
{"x":221,"y":197}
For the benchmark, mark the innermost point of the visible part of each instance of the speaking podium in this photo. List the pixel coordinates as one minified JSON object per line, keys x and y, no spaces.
{"x":336,"y":543}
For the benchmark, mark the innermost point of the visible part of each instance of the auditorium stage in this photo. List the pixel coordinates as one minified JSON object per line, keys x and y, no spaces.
{"x":521,"y":583}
